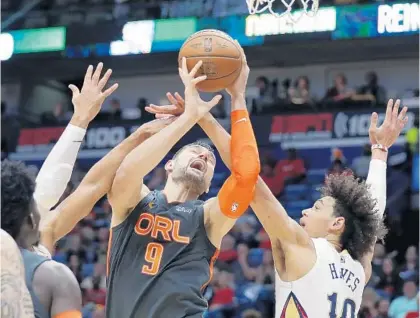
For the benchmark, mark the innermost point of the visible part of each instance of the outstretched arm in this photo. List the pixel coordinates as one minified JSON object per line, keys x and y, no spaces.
{"x":127,"y":189}
{"x":381,"y":139}
{"x":56,"y":171}
{"x":94,"y":185}
{"x":237,"y":192}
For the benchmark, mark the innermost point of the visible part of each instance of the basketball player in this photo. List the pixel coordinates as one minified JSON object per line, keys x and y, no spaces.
{"x":324,"y":263}
{"x":53,"y":287}
{"x":16,"y":301}
{"x":163,"y":243}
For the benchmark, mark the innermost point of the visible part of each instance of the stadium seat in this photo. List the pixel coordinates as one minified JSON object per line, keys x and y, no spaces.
{"x":87,"y":270}
{"x":255,"y":257}
{"x":295,"y":191}
{"x":316,"y":176}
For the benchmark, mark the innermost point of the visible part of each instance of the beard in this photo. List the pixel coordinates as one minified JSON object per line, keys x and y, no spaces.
{"x":193,"y":180}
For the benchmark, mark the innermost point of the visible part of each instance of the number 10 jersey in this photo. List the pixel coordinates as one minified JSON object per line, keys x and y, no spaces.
{"x":333,"y":288}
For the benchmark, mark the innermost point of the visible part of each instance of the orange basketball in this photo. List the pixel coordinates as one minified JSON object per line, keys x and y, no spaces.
{"x":221,"y":56}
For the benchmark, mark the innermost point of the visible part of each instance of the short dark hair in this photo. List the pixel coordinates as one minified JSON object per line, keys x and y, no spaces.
{"x":17,"y":190}
{"x":196,"y":143}
{"x":353,"y":201}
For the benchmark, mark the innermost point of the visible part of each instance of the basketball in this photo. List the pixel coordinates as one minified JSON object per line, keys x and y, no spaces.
{"x":221,"y":56}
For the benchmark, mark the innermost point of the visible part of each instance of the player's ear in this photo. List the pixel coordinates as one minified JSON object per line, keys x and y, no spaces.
{"x":338,"y":224}
{"x":169,"y":166}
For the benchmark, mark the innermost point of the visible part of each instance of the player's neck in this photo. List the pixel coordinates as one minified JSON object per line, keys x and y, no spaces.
{"x":335,"y":241}
{"x":21,"y":241}
{"x":176,"y":192}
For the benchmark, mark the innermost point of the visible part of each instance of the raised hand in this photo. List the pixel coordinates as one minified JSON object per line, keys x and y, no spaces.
{"x":194,"y":105}
{"x":176,"y":108}
{"x":87,"y":102}
{"x":392,"y":126}
{"x":237,"y":89}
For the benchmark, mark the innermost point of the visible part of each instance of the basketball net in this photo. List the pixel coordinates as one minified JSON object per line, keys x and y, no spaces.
{"x":259,"y":6}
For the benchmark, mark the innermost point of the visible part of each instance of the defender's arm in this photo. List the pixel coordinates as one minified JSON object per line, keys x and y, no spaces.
{"x":381,"y":139}
{"x":237,"y":192}
{"x":270,"y":212}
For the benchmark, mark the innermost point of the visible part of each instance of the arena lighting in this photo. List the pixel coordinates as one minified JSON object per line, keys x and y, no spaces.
{"x":137,"y":38}
{"x":398,"y":18}
{"x":6,"y":46}
{"x":267,"y":24}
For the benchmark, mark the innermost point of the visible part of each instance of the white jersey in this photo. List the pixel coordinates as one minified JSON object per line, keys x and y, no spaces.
{"x":333,"y":288}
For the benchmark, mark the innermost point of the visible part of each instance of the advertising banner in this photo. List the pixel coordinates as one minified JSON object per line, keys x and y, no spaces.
{"x":327,"y":130}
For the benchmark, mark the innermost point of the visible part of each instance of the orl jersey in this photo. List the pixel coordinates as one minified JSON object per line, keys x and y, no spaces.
{"x":332,"y":288}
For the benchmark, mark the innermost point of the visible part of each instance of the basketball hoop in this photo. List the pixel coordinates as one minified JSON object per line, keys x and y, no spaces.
{"x":259,"y":6}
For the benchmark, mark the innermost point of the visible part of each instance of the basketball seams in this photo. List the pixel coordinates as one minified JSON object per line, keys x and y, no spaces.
{"x":218,"y":36}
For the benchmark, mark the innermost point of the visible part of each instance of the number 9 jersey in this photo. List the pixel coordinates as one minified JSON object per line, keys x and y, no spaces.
{"x":333,"y":288}
{"x":159,"y":261}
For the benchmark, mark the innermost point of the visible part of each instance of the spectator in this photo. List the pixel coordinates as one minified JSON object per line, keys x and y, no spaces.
{"x":338,"y":168}
{"x":300,"y":94}
{"x":56,"y":116}
{"x":223,"y":291}
{"x":367,"y":307}
{"x":266,"y":273}
{"x":360,"y":165}
{"x":115,"y":113}
{"x":266,"y":96}
{"x":75,"y":266}
{"x":274,"y":181}
{"x":243,"y":272}
{"x":389,"y":281}
{"x":410,"y":268}
{"x":379,"y":255}
{"x":96,"y":294}
{"x":372,"y":90}
{"x":228,"y":252}
{"x":98,"y":276}
{"x":4,"y":149}
{"x":292,"y":170}
{"x":402,"y":305}
{"x":264,"y":239}
{"x":382,"y":307}
{"x":339,"y":92}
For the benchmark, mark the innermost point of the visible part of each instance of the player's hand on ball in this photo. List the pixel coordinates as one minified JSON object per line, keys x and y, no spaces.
{"x":237,"y":89}
{"x":194,"y":105}
{"x":176,"y":108}
{"x":392,"y":126}
{"x":87,"y":102}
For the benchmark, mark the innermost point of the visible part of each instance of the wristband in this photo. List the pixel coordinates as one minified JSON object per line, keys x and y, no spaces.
{"x":380,"y":147}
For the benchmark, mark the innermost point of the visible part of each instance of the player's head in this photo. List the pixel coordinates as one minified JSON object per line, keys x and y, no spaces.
{"x":19,"y":214}
{"x":347,"y":212}
{"x":193,"y":166}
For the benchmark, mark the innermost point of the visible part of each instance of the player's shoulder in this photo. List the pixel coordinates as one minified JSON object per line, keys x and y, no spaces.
{"x":6,"y":238}
{"x":54,"y":270}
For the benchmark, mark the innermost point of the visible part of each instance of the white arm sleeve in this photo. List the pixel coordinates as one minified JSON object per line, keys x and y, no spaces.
{"x":376,"y":179}
{"x":56,"y":171}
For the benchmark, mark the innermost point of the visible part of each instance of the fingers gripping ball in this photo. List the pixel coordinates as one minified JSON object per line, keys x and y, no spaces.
{"x":221,"y":56}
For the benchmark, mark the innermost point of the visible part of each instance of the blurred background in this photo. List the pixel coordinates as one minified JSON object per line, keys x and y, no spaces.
{"x":311,"y":91}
